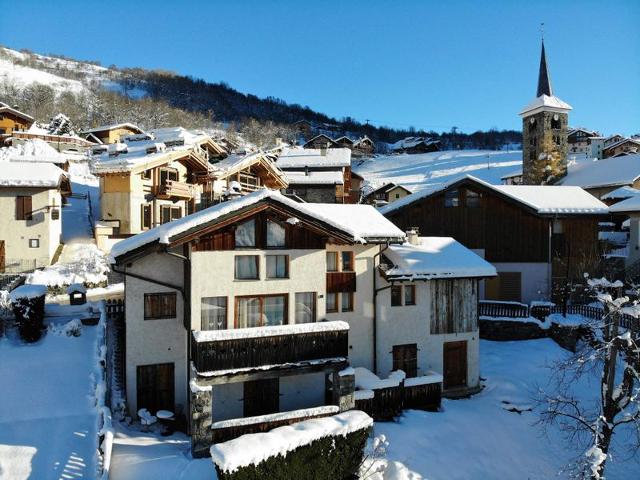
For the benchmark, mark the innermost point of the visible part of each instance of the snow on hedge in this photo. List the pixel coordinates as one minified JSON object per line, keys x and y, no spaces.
{"x":271,"y":331}
{"x":89,"y":266}
{"x":258,"y":447}
{"x":277,"y":417}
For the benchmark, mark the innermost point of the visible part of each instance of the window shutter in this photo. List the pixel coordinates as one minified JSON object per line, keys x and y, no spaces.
{"x":27,"y":208}
{"x":19,"y":208}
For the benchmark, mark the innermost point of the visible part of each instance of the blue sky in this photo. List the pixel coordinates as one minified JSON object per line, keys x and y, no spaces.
{"x":432,"y":65}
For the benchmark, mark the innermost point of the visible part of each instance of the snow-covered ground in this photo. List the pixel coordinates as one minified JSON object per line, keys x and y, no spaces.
{"x":476,"y":438}
{"x":48,"y":415}
{"x":429,"y":170}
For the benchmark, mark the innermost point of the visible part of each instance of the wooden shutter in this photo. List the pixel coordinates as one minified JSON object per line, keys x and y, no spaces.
{"x":2,"y":258}
{"x":159,"y":305}
{"x":405,"y":358}
{"x":156,"y":387}
{"x":146,"y":216}
{"x":28,"y":208}
{"x":23,"y":207}
{"x":510,"y":286}
{"x":261,"y":397}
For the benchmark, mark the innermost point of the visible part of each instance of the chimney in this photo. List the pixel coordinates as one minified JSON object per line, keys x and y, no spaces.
{"x":413,"y":236}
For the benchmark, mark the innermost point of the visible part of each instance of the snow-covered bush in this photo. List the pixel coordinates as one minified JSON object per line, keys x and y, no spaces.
{"x":28,"y":307}
{"x":72,"y":328}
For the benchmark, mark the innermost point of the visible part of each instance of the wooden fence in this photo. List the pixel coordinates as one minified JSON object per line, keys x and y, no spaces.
{"x":388,"y":403}
{"x":503,"y":309}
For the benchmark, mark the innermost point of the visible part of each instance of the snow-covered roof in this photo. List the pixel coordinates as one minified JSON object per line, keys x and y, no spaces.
{"x":544,"y":199}
{"x":623,"y":141}
{"x":76,"y":288}
{"x":385,"y":187}
{"x":296,"y":157}
{"x":435,"y":257}
{"x":546,"y":102}
{"x":35,"y":150}
{"x":621,"y":193}
{"x":174,"y":134}
{"x":28,"y":291}
{"x":270,"y":331}
{"x":362,"y":223}
{"x":411,"y":142}
{"x":515,"y":173}
{"x":605,"y":173}
{"x":629,"y":205}
{"x":115,"y":126}
{"x":6,"y":108}
{"x":331,"y":177}
{"x":30,"y":174}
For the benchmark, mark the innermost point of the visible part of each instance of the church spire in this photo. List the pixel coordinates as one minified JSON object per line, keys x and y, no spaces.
{"x":544,"y":80}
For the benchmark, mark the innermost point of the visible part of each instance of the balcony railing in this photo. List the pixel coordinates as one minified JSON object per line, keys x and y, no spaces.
{"x":172,"y":188}
{"x":247,"y":348}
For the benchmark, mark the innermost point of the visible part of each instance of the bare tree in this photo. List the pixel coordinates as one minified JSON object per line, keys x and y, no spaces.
{"x":610,"y":348}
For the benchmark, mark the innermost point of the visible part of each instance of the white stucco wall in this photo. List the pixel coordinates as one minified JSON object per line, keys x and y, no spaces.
{"x":410,"y":324}
{"x":634,"y":239}
{"x":535,"y":279}
{"x":17,"y":233}
{"x":155,"y":341}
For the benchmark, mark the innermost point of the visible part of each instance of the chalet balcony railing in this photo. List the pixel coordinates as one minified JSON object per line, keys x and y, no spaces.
{"x":246,"y":348}
{"x":200,"y":153}
{"x":341,"y":282}
{"x":172,"y":188}
{"x":81,"y":142}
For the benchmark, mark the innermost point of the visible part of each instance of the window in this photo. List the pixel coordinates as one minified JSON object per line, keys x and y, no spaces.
{"x":305,"y":307}
{"x":409,"y":294}
{"x":146,"y":175}
{"x":347,"y":301}
{"x":451,"y":199}
{"x":275,"y":234}
{"x":168,"y":174}
{"x":347,"y":261}
{"x":169,"y":213}
{"x":331,"y":302}
{"x":555,"y":123}
{"x":159,"y":305}
{"x":396,"y":295}
{"x":397,"y":195}
{"x":34,"y":243}
{"x":261,"y":397}
{"x":55,"y":213}
{"x":246,"y":267}
{"x":261,"y":311}
{"x":145,"y":219}
{"x":472,"y":199}
{"x":332,"y":261}
{"x":23,"y":208}
{"x":277,"y":266}
{"x":246,"y":234}
{"x":405,"y":358}
{"x":213,"y":313}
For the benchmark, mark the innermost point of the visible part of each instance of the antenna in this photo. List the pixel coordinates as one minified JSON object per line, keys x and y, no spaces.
{"x":542,"y":30}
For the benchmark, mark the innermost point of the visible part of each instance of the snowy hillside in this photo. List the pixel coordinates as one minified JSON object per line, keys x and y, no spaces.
{"x":429,"y":170}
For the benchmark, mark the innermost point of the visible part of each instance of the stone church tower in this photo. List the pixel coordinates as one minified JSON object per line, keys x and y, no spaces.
{"x":544,"y":133}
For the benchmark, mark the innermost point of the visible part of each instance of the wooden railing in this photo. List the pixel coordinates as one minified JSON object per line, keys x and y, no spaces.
{"x":172,"y":188}
{"x":237,"y":353}
{"x":423,"y":397}
{"x":341,"y":282}
{"x":503,"y":309}
{"x":54,"y":138}
{"x":388,"y":403}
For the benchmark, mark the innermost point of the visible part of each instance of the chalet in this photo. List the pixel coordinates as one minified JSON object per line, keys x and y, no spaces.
{"x":31,"y":198}
{"x":291,"y":305}
{"x":356,"y":187}
{"x":304,"y":127}
{"x":345,"y":142}
{"x":621,"y":147}
{"x":537,"y":237}
{"x":297,"y":298}
{"x":578,"y":140}
{"x":318,"y":175}
{"x":13,"y":120}
{"x":427,"y":297}
{"x":603,"y":176}
{"x":513,"y":178}
{"x":619,"y":194}
{"x":416,"y":145}
{"x":321,"y":141}
{"x":106,"y":134}
{"x":385,"y":194}
{"x":595,"y":147}
{"x":363,"y":147}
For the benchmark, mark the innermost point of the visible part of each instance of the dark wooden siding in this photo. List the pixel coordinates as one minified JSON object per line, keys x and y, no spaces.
{"x":341,"y":282}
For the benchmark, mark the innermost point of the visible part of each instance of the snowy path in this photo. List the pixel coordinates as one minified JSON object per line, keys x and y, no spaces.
{"x":47,"y":416}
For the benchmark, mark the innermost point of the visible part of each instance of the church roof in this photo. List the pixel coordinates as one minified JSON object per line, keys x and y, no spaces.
{"x":544,"y":80}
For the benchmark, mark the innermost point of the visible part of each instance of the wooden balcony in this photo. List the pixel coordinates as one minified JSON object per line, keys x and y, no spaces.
{"x":285,"y":346}
{"x":174,"y":189}
{"x":341,"y":282}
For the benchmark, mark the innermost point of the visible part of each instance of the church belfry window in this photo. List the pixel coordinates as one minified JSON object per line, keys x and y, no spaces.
{"x":555,"y":122}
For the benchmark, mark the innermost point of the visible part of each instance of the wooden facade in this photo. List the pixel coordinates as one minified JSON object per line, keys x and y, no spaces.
{"x":454,"y":306}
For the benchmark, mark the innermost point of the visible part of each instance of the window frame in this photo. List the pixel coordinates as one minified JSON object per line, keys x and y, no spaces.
{"x":163,"y":316}
{"x":334,"y":306}
{"x":266,"y":234}
{"x":226,"y":313}
{"x":335,"y":255}
{"x":286,"y":266}
{"x":351,"y":257}
{"x":314,"y":306}
{"x":253,"y":220}
{"x":452,"y":198}
{"x":148,"y":207}
{"x":34,"y":243}
{"x":398,"y":302}
{"x":235,"y":268}
{"x":261,"y":298}
{"x":409,"y":288}
{"x":348,"y":295}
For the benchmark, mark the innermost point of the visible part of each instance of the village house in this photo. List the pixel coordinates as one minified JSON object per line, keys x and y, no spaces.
{"x":12,"y":120}
{"x":537,"y":237}
{"x":603,"y":176}
{"x":106,"y":134}
{"x":319,"y":175}
{"x":578,"y":140}
{"x":298,"y":298}
{"x":344,"y":142}
{"x":363,"y":147}
{"x":622,"y":147}
{"x":385,"y":194}
{"x":512,"y":178}
{"x":322,"y":141}
{"x":31,"y":199}
{"x":414,"y":145}
{"x":357,"y":182}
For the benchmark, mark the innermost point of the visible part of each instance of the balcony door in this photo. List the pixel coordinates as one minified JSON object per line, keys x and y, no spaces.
{"x":261,"y":397}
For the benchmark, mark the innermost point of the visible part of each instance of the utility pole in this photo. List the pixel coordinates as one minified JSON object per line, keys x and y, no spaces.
{"x":454,"y":131}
